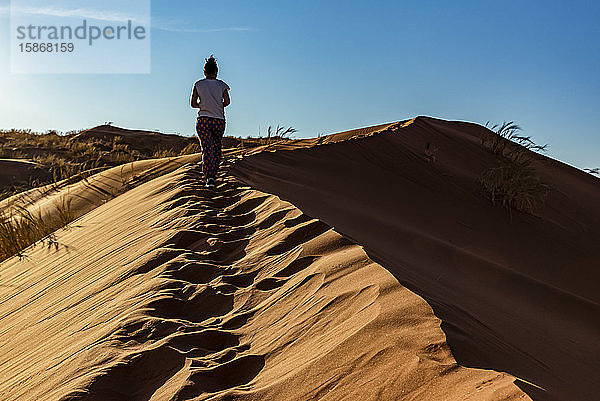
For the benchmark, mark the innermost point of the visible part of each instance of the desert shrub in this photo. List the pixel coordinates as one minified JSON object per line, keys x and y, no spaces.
{"x":121,"y":157}
{"x":48,"y":159}
{"x":120,"y":147}
{"x":430,"y":152}
{"x":502,"y":135}
{"x":160,"y":153}
{"x":514,"y":183}
{"x":514,"y":186}
{"x":505,"y":141}
{"x":20,"y":228}
{"x":191,"y":148}
{"x":87,"y":148}
{"x":64,"y":213}
{"x":279,"y":133}
{"x":51,"y":140}
{"x":121,"y":153}
{"x":62,"y":169}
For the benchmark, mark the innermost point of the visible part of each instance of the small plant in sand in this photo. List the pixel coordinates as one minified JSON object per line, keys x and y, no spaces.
{"x":515,"y":186}
{"x":125,"y":178}
{"x":20,"y":228}
{"x":190,"y":149}
{"x":514,"y":183}
{"x":63,"y":169}
{"x":430,"y":152}
{"x":64,"y":213}
{"x":506,"y":141}
{"x":279,"y":133}
{"x":275,"y":134}
{"x":595,"y":171}
{"x":321,"y":138}
{"x":161,"y":153}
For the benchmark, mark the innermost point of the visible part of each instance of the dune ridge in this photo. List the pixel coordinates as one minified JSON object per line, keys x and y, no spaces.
{"x":516,"y":294}
{"x":169,"y":292}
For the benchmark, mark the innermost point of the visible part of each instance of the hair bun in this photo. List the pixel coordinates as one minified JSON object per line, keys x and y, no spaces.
{"x":211,"y":68}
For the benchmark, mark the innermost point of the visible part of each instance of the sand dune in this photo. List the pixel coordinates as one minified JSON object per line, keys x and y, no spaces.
{"x":142,"y":140}
{"x":169,"y":292}
{"x":163,"y":290}
{"x":15,"y":172}
{"x":88,"y":191}
{"x":517,"y":295}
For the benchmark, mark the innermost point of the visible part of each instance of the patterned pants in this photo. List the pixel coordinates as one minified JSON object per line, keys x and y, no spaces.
{"x":210,"y":131}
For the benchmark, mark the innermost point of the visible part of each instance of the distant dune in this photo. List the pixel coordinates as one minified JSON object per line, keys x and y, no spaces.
{"x":31,"y":159}
{"x":318,"y":282}
{"x":146,"y":141}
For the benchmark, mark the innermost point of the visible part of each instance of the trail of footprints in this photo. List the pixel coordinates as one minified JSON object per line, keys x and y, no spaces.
{"x":192,"y":319}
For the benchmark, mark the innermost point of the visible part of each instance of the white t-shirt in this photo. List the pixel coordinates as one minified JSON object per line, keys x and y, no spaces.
{"x":211,"y":97}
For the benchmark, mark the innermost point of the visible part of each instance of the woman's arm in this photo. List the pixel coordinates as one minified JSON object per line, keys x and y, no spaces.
{"x":226,"y":99}
{"x":195,"y":99}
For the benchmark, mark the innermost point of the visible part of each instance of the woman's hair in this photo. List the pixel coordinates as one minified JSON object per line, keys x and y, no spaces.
{"x":210,"y":68}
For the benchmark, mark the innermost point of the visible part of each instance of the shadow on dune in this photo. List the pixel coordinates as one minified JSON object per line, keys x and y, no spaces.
{"x":231,"y":374}
{"x":516,"y":295}
{"x":134,"y":380}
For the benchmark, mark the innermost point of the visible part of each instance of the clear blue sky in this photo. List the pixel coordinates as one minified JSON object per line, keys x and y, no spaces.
{"x":326,"y":66}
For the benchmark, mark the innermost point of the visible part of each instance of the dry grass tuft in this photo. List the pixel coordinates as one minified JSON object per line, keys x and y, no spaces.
{"x":430,"y":152}
{"x":279,"y":133}
{"x":161,"y":153}
{"x":506,"y":141}
{"x":515,"y":186}
{"x":190,"y":149}
{"x":20,"y":228}
{"x":514,"y":183}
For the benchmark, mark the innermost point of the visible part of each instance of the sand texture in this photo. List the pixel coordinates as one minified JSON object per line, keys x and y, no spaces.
{"x":346,"y":267}
{"x":516,"y":293}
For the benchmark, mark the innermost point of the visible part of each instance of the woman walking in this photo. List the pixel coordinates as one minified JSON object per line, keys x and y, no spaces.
{"x":210,"y":95}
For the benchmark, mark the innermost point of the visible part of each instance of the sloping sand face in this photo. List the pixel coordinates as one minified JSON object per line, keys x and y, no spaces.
{"x":170,"y":292}
{"x":518,"y":295}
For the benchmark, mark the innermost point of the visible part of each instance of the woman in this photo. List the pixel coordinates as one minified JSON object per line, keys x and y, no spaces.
{"x":210,"y":95}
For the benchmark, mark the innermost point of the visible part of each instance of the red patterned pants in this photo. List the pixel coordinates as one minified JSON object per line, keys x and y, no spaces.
{"x":210,"y":131}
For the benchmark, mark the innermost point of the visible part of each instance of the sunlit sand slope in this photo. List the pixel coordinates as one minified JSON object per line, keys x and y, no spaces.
{"x":172,"y":292}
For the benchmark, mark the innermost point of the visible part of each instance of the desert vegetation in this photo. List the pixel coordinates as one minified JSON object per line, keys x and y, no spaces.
{"x":430,"y":152}
{"x":514,"y":183}
{"x":279,"y":133}
{"x":595,"y":171}
{"x":67,"y":156}
{"x":274,"y":134}
{"x":20,"y":228}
